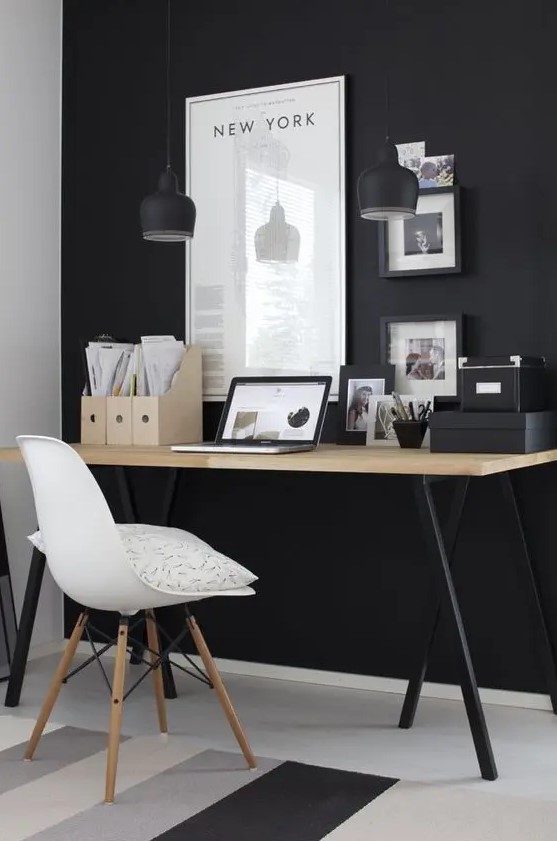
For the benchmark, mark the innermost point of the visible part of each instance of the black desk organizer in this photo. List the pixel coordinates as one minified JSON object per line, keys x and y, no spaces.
{"x":502,"y":383}
{"x":8,"y":626}
{"x":492,"y":432}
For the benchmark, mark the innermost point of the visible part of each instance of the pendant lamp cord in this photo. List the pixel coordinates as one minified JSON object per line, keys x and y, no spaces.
{"x":168,"y":105}
{"x":387,"y":89}
{"x":387,"y":104}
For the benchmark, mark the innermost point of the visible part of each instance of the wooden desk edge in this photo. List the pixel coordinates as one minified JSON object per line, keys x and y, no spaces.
{"x":328,"y":458}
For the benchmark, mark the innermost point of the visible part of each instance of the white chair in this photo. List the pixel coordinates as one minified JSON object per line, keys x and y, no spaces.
{"x":87,"y":560}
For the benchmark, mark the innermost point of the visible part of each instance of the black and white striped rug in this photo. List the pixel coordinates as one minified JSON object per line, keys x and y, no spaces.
{"x":174,"y":790}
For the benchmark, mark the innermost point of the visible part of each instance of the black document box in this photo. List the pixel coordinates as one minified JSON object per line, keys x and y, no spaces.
{"x":492,"y":432}
{"x":502,"y":383}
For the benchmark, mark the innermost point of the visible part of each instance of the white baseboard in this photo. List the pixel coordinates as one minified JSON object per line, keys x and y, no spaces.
{"x":367,"y":683}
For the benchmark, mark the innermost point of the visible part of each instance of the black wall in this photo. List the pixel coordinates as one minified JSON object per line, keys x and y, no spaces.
{"x":342,"y":582}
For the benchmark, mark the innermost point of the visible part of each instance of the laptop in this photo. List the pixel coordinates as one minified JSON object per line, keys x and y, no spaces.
{"x":269,"y":415}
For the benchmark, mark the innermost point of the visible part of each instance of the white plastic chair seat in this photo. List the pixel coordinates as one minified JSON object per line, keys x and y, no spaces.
{"x":176,"y":563}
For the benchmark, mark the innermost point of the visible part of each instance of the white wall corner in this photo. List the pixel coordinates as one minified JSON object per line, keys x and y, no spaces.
{"x":30,"y":235}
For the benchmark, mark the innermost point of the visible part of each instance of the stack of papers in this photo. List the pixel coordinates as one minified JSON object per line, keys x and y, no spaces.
{"x":162,"y":356}
{"x":122,"y":369}
{"x":107,"y":367}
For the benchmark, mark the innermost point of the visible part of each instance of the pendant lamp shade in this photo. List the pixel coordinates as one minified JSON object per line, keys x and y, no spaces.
{"x":167,"y":215}
{"x":387,"y":190}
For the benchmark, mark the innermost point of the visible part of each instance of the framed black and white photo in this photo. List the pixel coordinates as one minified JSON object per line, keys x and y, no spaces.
{"x":265,"y":272}
{"x":424,"y":350}
{"x":426,"y":244}
{"x":358,"y":385}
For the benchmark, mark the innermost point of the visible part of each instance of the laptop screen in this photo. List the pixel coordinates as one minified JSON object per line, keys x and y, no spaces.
{"x":275,"y":410}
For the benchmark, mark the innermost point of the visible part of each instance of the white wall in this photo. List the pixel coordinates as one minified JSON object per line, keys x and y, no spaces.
{"x":30,"y":117}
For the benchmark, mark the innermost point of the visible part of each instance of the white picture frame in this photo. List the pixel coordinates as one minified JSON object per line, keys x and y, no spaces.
{"x":424,"y":350}
{"x":426,"y":244}
{"x":380,"y":430}
{"x":265,"y":294}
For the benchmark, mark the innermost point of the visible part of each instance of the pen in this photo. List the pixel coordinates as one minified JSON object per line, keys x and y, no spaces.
{"x":412,"y":414}
{"x":403,"y":414}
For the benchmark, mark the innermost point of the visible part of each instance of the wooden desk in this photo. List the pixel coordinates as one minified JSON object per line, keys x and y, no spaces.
{"x":425,"y":468}
{"x":328,"y":458}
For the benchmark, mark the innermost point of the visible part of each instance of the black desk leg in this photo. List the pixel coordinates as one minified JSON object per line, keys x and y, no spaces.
{"x":166,"y":517}
{"x":127,"y":501}
{"x":26,"y":622}
{"x":433,"y":612}
{"x":539,"y":622}
{"x":8,"y":620}
{"x":129,"y":512}
{"x":440,"y":565}
{"x":130,"y":515}
{"x":169,"y":497}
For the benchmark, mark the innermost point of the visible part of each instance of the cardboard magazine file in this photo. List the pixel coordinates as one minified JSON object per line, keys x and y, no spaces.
{"x":119,"y":421}
{"x":93,"y":420}
{"x":174,"y":417}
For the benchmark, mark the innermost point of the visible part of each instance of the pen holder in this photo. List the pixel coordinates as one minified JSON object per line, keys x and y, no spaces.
{"x":410,"y":433}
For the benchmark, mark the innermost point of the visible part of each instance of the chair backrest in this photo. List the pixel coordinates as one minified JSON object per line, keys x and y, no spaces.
{"x":82,"y":545}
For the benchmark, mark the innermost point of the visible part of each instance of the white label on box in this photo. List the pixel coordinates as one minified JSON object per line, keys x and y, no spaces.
{"x":488,"y":388}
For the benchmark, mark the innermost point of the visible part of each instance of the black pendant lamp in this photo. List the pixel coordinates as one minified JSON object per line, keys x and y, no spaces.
{"x":387,"y":190}
{"x":167,"y":215}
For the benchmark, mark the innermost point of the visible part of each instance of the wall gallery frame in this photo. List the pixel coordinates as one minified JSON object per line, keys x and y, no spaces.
{"x":427,"y":244}
{"x":358,"y":385}
{"x":424,"y":350}
{"x":265,"y":273}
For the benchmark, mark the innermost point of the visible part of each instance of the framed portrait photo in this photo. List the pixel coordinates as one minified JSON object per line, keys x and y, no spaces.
{"x":358,"y":385}
{"x":426,"y":244}
{"x":424,"y":350}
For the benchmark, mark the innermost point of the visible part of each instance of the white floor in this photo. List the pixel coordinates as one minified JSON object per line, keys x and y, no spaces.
{"x":341,"y":728}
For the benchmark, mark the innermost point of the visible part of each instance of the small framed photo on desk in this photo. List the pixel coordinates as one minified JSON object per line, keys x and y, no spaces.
{"x":358,"y":384}
{"x":380,"y":430}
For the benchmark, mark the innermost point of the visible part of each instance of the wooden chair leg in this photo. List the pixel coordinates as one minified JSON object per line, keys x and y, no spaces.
{"x":55,"y":685}
{"x":216,"y":680}
{"x":154,"y":646}
{"x":116,"y":710}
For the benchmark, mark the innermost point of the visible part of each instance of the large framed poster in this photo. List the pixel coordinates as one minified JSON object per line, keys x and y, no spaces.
{"x":265,"y":272}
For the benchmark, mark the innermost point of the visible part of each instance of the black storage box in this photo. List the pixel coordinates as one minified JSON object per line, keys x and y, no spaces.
{"x":502,"y":383}
{"x":492,"y":432}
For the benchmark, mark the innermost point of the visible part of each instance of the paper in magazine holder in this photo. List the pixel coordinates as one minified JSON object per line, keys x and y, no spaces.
{"x":177,"y":416}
